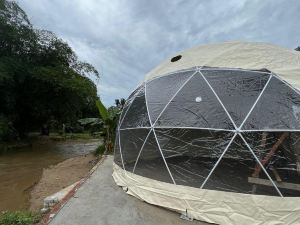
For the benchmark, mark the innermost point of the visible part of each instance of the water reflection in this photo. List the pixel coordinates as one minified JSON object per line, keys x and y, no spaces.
{"x":21,"y":169}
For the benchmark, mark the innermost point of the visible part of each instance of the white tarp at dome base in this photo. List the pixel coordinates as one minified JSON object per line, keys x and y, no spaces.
{"x":220,"y":144}
{"x":211,"y":206}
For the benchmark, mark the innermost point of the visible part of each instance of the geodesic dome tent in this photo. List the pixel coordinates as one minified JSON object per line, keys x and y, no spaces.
{"x":214,"y":133}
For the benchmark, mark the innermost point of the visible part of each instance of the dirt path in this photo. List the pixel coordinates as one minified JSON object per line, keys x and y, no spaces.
{"x":60,"y":176}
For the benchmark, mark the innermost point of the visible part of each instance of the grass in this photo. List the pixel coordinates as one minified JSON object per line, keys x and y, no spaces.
{"x":18,"y":218}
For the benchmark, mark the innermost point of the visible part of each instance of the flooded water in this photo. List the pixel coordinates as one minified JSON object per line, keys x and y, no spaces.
{"x":20,"y":169}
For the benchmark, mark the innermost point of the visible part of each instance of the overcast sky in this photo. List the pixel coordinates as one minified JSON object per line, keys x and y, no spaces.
{"x":126,"y":39}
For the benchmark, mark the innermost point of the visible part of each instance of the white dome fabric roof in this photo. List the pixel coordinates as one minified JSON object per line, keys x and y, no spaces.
{"x":244,"y":55}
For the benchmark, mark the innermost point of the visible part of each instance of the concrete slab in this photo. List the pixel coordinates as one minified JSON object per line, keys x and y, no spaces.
{"x":101,"y":202}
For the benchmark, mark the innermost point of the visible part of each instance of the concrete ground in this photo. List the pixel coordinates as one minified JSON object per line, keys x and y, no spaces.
{"x":101,"y":202}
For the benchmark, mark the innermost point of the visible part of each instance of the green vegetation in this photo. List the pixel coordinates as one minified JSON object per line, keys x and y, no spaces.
{"x":42,"y":82}
{"x":18,"y":218}
{"x":91,"y":124}
{"x":110,"y":119}
{"x":100,"y":150}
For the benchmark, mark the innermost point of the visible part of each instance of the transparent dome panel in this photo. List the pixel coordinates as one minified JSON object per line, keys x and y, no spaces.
{"x":237,"y":89}
{"x":279,"y":152}
{"x":195,"y":105}
{"x":129,"y":101}
{"x":278,"y":108}
{"x":150,"y":162}
{"x":132,"y":141}
{"x":235,"y":170}
{"x":137,"y":114}
{"x":117,"y":154}
{"x":162,"y":89}
{"x":191,"y":153}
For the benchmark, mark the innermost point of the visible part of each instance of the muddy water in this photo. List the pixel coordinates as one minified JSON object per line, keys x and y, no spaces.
{"x":21,"y":169}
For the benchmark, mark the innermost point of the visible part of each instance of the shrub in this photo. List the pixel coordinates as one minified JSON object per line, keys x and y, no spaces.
{"x":100,"y":150}
{"x":18,"y":218}
{"x":7,"y":131}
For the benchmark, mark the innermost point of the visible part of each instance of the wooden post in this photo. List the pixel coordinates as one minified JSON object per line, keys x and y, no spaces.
{"x":270,"y":154}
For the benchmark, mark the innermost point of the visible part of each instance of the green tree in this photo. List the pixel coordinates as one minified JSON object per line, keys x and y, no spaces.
{"x":41,"y":78}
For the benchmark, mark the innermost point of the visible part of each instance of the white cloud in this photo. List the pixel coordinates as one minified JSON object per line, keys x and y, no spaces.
{"x":125,"y":39}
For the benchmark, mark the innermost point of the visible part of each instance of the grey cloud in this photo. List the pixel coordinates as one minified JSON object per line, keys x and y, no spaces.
{"x":125,"y":39}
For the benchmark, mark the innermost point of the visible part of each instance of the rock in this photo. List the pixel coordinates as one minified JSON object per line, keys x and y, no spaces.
{"x":52,"y":200}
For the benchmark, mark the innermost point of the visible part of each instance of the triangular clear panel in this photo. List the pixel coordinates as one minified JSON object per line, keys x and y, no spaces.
{"x":161,"y":90}
{"x":131,"y":143}
{"x":278,"y":108}
{"x":195,"y":105}
{"x":129,"y":101}
{"x":279,"y":152}
{"x":117,"y":154}
{"x":237,"y":90}
{"x":150,"y":163}
{"x":137,"y":114}
{"x":235,"y":173}
{"x":191,"y":153}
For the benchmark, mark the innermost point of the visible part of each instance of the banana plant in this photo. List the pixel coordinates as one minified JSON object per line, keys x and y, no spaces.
{"x":110,"y":118}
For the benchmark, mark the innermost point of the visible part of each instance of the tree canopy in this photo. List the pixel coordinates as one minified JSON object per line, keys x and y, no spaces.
{"x":41,"y":78}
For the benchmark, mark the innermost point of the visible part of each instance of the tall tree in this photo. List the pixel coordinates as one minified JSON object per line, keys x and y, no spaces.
{"x":41,"y":78}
